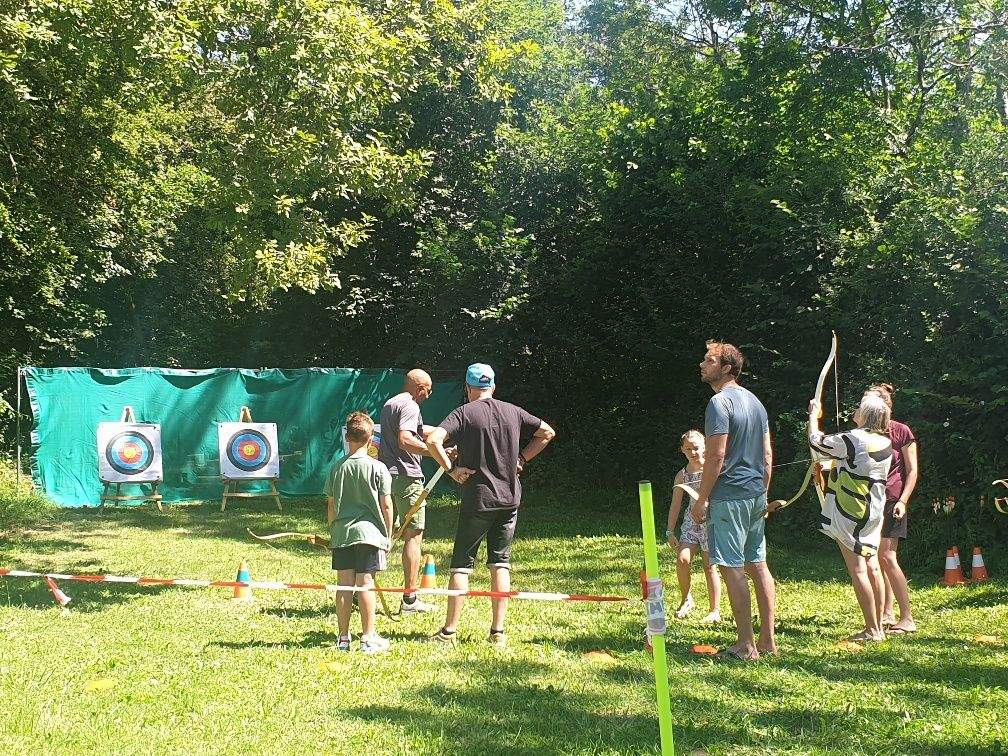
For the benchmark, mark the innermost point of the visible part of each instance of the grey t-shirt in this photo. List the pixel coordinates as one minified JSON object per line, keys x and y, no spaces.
{"x":400,"y":412}
{"x":737,"y":412}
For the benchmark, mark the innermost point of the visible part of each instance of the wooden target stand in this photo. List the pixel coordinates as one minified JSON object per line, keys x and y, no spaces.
{"x":231,"y":485}
{"x":129,"y":417}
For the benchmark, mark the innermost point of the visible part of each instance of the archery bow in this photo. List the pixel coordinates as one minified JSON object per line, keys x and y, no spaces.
{"x":325,"y":543}
{"x":418,"y":503}
{"x":816,"y":457}
{"x":1001,"y":502}
{"x":314,"y":540}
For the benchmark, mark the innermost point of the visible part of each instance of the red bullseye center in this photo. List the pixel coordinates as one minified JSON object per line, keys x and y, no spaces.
{"x":249,"y":450}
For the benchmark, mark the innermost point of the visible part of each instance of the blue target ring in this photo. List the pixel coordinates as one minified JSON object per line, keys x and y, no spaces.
{"x":129,"y":453}
{"x":249,"y":450}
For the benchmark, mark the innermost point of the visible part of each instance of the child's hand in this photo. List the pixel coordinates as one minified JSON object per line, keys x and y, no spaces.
{"x":699,"y":512}
{"x":673,"y":542}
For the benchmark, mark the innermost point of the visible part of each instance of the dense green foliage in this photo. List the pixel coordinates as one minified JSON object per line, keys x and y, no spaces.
{"x":579,"y":199}
{"x":20,"y":506}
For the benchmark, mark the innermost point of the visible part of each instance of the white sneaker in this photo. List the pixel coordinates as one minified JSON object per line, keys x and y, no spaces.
{"x":374,"y":644}
{"x":685,"y":608}
{"x":417,"y":607}
{"x":343,"y":644}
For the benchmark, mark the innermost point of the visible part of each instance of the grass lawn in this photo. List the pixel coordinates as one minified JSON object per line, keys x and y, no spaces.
{"x":191,"y":671}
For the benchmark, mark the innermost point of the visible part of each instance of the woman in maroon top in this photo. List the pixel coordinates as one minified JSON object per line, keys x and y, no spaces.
{"x":899,"y":486}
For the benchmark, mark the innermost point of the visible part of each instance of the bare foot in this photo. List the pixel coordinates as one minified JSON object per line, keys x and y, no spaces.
{"x":903,"y":627}
{"x":769,"y":651}
{"x":867,"y":636}
{"x":685,"y":608}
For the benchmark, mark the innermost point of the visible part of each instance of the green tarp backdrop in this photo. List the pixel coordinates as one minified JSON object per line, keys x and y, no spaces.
{"x":308,"y":405}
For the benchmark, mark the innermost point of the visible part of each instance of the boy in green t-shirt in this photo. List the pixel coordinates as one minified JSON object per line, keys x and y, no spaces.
{"x":359,"y":509}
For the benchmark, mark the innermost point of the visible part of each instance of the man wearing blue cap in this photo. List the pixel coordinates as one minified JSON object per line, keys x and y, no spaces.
{"x":488,"y":434}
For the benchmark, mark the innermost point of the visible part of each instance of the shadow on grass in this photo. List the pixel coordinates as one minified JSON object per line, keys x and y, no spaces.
{"x":616,"y":643}
{"x":993,"y":593}
{"x":248,"y":645}
{"x":86,"y":598}
{"x":514,"y":709}
{"x":41,"y":544}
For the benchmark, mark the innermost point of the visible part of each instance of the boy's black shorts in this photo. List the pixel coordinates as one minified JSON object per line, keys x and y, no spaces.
{"x":361,"y":557}
{"x":497,"y":527}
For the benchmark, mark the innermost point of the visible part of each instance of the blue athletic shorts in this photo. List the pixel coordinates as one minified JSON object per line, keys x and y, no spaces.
{"x":735,"y":531}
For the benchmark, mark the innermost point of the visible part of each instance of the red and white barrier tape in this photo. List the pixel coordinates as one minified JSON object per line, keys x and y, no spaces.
{"x":276,"y":586}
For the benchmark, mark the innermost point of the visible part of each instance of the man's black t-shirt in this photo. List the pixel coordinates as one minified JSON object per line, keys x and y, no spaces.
{"x":488,"y":434}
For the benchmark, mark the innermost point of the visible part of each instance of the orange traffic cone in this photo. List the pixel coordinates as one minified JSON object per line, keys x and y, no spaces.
{"x":429,"y":577}
{"x":953,"y":571}
{"x":978,"y":573}
{"x":243,"y":592}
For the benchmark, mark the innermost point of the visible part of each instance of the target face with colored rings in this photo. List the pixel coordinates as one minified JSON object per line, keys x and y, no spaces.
{"x":129,"y":453}
{"x":249,"y":450}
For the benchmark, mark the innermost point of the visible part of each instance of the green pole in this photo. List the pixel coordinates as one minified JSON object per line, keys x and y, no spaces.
{"x":656,"y":618}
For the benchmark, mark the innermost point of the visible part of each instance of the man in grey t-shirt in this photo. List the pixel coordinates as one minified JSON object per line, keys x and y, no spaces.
{"x":402,"y":445}
{"x":732,"y":496}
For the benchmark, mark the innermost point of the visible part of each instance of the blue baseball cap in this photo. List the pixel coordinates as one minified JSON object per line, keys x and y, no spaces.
{"x":480,"y":376}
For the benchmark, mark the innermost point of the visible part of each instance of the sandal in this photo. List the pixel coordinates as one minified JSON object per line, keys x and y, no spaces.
{"x":897,"y":630}
{"x":733,"y":656}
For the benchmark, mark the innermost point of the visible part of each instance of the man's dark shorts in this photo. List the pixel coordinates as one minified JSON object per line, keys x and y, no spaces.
{"x":891,"y":527}
{"x":360,"y":557}
{"x":498,"y":527}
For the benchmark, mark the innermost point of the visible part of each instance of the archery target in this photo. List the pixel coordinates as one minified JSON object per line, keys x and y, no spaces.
{"x":372,"y":446}
{"x":129,"y":452}
{"x":248,"y":450}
